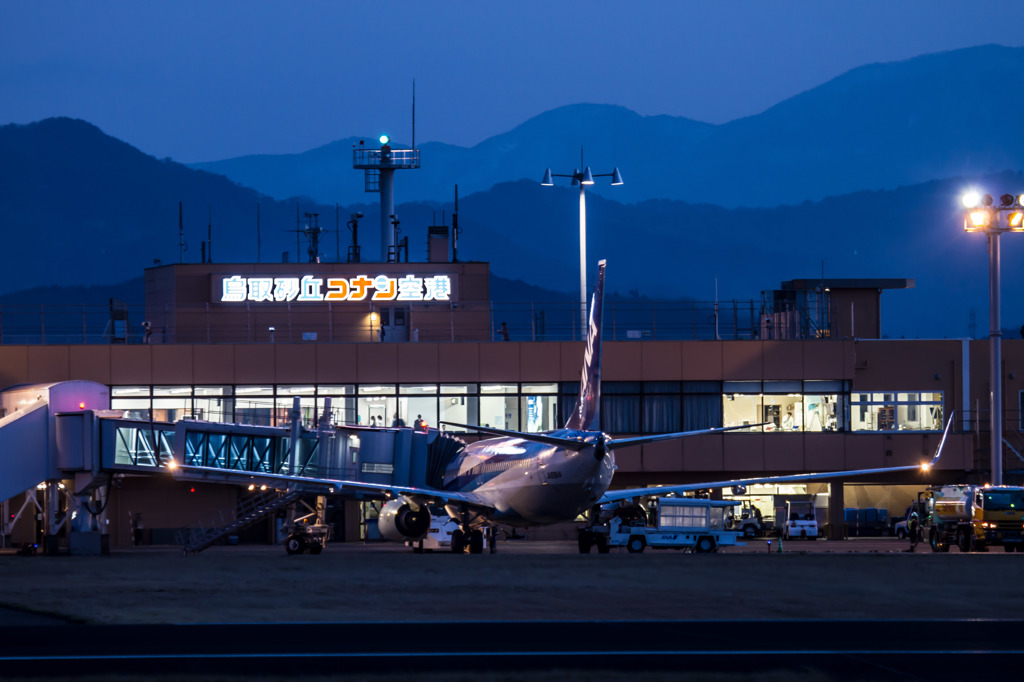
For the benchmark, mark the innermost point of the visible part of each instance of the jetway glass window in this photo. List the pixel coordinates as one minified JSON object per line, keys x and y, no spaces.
{"x":907,"y":411}
{"x":213,"y":403}
{"x":377,"y":405}
{"x":254,"y":405}
{"x":661,"y":407}
{"x":539,"y":407}
{"x":499,"y":406}
{"x":620,"y":406}
{"x":702,"y":405}
{"x":133,"y":401}
{"x":343,"y":402}
{"x":460,"y":404}
{"x":418,"y":401}
{"x":171,"y":403}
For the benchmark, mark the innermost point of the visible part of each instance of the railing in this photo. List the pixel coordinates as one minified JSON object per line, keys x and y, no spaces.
{"x":623,"y":321}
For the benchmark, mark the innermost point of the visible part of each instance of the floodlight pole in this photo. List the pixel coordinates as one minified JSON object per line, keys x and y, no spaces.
{"x":995,"y":354}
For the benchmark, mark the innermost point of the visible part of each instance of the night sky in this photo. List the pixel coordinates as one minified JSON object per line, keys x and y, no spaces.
{"x":199,"y":81}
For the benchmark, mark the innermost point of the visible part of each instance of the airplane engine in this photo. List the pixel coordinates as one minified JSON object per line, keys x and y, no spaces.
{"x":398,"y":521}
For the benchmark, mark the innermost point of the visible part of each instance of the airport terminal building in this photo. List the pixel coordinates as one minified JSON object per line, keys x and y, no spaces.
{"x":237,"y":343}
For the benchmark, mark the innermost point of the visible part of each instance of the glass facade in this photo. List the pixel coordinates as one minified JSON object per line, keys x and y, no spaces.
{"x":627,"y":407}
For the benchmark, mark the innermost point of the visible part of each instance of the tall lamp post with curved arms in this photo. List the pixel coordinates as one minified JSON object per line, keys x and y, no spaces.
{"x":582,"y":179}
{"x":981,"y":216}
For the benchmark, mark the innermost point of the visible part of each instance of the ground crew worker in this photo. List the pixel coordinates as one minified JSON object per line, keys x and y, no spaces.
{"x":912,"y":529}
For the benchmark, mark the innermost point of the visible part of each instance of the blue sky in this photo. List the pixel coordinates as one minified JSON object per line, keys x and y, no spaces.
{"x":202,"y":81}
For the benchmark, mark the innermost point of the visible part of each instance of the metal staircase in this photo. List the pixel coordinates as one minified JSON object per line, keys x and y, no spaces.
{"x":251,"y":509}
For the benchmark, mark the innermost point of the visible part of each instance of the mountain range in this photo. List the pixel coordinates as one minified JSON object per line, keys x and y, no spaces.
{"x":880,"y":126}
{"x":80,"y":207}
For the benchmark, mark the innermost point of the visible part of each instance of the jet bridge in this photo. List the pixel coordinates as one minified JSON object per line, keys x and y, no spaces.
{"x":62,"y":439}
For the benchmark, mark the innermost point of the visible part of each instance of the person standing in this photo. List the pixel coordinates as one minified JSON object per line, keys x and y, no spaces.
{"x":913,"y":530}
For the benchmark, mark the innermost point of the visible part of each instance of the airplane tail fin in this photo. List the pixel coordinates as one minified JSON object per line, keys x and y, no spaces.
{"x":586,"y":416}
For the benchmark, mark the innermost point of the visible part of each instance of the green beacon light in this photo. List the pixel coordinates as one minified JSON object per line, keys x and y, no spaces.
{"x":384,"y":139}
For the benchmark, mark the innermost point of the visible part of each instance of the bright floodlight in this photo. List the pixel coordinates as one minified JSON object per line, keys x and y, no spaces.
{"x":616,"y":177}
{"x":384,"y":139}
{"x":547,"y":181}
{"x":971,"y":199}
{"x":979,"y":218}
{"x":588,"y":177}
{"x":1016,"y":220}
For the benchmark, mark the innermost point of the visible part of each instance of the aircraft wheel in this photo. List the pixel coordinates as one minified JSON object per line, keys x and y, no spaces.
{"x":295,"y":544}
{"x":586,"y":541}
{"x":636,"y":544}
{"x":601,"y":540}
{"x":458,"y":541}
{"x":476,"y":542}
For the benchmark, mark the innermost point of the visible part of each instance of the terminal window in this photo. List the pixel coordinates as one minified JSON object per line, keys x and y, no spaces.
{"x":896,"y":411}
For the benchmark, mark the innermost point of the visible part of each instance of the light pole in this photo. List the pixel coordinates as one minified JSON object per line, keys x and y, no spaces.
{"x":582,"y":179}
{"x":981,"y":216}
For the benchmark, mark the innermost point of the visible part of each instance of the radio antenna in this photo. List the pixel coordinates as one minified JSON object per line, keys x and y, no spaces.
{"x":414,"y":113}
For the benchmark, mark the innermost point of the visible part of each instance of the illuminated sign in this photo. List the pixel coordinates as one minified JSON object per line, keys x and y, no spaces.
{"x":238,"y":289}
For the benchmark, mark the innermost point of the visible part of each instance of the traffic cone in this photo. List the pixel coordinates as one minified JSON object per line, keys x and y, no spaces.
{"x":779,"y":550}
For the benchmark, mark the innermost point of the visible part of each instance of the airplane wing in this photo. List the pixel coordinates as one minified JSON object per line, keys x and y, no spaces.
{"x":629,"y":493}
{"x":327,"y":485}
{"x":640,"y":440}
{"x":569,"y":443}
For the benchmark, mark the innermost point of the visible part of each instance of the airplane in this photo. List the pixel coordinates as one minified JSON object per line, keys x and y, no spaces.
{"x":523,"y":479}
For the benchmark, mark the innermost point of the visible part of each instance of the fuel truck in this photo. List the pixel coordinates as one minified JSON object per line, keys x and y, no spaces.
{"x":973,"y":517}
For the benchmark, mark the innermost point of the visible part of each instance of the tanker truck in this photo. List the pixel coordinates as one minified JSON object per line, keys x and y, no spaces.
{"x":973,"y":517}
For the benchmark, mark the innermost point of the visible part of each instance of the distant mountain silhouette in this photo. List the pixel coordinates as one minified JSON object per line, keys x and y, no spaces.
{"x":880,"y":126}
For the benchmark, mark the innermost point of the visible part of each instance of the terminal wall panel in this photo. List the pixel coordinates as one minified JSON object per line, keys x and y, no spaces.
{"x":539,"y":362}
{"x":48,"y":363}
{"x":213,"y":365}
{"x":704,"y":453}
{"x":459,"y":362}
{"x":666,"y":456}
{"x":742,"y":360}
{"x":418,"y":363}
{"x":91,"y":363}
{"x":255,"y":364}
{"x":744,"y":452}
{"x":172,"y":364}
{"x":630,"y":459}
{"x":295,"y":361}
{"x":702,"y":360}
{"x":377,"y":362}
{"x":571,"y":353}
{"x":131,"y":364}
{"x":336,"y":364}
{"x":824,"y":359}
{"x":866,"y":451}
{"x":824,"y":452}
{"x":784,"y":452}
{"x":782,"y":360}
{"x":499,"y":362}
{"x":13,"y":365}
{"x":621,"y":361}
{"x":661,"y":361}
{"x":895,"y":365}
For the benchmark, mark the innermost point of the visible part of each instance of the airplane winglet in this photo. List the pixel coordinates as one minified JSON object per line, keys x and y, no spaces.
{"x":942,"y":443}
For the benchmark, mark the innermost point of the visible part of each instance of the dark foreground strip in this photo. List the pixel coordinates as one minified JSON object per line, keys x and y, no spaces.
{"x":954,"y":649}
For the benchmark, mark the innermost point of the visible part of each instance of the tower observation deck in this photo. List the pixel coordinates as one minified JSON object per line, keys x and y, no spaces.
{"x":380,"y":166}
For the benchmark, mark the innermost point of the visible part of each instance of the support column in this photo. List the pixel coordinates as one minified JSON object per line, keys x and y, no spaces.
{"x":836,"y":505}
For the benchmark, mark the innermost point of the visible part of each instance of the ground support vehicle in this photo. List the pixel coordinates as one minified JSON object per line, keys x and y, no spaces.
{"x":749,"y":522}
{"x":684,"y":523}
{"x":973,"y":517}
{"x":306,"y":537}
{"x":801,"y":522}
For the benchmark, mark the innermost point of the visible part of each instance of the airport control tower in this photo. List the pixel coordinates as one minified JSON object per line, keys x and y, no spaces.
{"x":379,"y":166}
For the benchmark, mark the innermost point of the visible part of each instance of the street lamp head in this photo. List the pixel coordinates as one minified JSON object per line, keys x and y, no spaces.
{"x":588,"y":177}
{"x":616,"y":177}
{"x":546,"y":181}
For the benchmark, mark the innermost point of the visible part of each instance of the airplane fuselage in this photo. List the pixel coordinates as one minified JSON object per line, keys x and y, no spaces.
{"x":531,"y":483}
